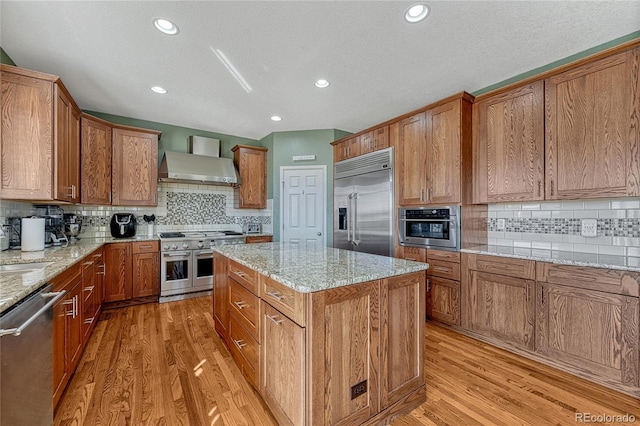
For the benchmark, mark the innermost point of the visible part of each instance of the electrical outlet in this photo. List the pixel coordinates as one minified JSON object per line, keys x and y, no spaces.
{"x":589,"y":228}
{"x":358,"y":389}
{"x":501,"y":224}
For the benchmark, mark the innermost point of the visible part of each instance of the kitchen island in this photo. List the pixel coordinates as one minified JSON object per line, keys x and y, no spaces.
{"x":326,"y":336}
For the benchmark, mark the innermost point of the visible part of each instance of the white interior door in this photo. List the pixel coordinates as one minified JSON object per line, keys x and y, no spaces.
{"x":304,"y":205}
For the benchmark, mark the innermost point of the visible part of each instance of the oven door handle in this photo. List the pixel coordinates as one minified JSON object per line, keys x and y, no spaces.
{"x":176,"y":255}
{"x":202,"y":253}
{"x":427,"y":220}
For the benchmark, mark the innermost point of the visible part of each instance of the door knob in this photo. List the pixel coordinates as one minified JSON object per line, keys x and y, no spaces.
{"x":319,"y":234}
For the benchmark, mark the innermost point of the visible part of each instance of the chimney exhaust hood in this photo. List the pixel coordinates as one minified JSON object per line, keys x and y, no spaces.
{"x":202,"y":165}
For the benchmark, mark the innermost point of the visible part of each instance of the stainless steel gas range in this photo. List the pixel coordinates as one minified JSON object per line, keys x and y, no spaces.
{"x":187,"y":262}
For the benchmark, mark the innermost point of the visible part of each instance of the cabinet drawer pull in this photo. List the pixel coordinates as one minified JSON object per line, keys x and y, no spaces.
{"x":239,"y":343}
{"x":275,"y":295}
{"x":88,"y":263}
{"x":146,"y":246}
{"x":275,"y":319}
{"x":90,"y":288}
{"x":441,"y":269}
{"x":89,"y":321}
{"x":241,"y":304}
{"x":240,"y":274}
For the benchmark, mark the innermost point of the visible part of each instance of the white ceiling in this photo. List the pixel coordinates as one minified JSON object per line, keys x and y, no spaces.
{"x":109,"y":54}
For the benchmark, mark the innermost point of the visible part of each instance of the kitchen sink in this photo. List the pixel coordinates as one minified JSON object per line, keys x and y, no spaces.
{"x":22,"y":268}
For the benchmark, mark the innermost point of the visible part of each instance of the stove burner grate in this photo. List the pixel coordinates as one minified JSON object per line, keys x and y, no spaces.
{"x":171,"y":235}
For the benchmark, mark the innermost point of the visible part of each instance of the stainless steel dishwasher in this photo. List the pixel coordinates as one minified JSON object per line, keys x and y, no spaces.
{"x":26,"y":389}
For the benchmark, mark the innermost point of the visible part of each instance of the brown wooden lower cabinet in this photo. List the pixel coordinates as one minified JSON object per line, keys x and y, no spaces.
{"x":580,"y":319}
{"x":132,"y":270}
{"x":347,"y":355}
{"x":251,"y":239}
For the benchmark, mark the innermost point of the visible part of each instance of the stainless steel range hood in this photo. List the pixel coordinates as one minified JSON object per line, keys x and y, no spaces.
{"x":202,"y":165}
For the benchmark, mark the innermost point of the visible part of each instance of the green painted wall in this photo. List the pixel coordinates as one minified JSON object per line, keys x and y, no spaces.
{"x":559,"y":63}
{"x":5,"y":59}
{"x":174,"y":138}
{"x":282,"y":147}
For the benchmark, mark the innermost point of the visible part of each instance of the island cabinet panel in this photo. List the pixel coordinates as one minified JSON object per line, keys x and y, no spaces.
{"x":345,"y":332}
{"x":245,"y":350}
{"x":246,"y":308}
{"x":402,"y":340}
{"x":283,"y":378}
{"x":221,"y":295}
{"x":286,"y":300}
{"x":135,"y":168}
{"x":244,"y":276}
{"x":95,"y":152}
{"x":443,"y":300}
{"x":508,"y":145}
{"x":595,"y":332}
{"x":592,"y":129}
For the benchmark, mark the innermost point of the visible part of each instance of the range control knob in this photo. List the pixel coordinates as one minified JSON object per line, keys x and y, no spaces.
{"x":165,"y":247}
{"x":174,"y":247}
{"x":200,"y":244}
{"x":185,"y":245}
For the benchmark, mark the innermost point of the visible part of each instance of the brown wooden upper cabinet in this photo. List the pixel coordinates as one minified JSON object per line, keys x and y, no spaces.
{"x":39,"y":140}
{"x":347,"y":148}
{"x":573,"y":135}
{"x":96,"y":160}
{"x":508,"y":147}
{"x":593,"y":129}
{"x":429,"y":150}
{"x":119,"y":164}
{"x":411,"y":159}
{"x":364,"y":143}
{"x":135,"y":167}
{"x":251,"y":162}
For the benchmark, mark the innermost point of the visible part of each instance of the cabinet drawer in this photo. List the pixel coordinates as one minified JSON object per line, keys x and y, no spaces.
{"x":245,"y":351}
{"x":245,"y":276}
{"x":519,"y":268}
{"x":146,"y":246}
{"x":261,"y":239}
{"x":414,"y":253}
{"x":245,"y":306}
{"x":599,"y":279}
{"x":448,"y":256}
{"x":286,"y":300}
{"x":68,"y":278}
{"x":449,"y":270}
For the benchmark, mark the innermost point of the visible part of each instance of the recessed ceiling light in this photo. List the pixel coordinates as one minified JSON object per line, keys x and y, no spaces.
{"x":165,"y":26}
{"x":322,"y":83}
{"x":416,"y":13}
{"x":276,"y":118}
{"x":159,"y":89}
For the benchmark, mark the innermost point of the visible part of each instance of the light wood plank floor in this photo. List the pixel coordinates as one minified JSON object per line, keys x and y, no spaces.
{"x":165,"y":365}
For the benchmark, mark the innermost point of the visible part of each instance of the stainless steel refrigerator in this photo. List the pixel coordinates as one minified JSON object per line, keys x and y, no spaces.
{"x":363,"y":203}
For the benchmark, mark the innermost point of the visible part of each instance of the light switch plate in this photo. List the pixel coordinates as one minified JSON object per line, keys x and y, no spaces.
{"x":589,"y":228}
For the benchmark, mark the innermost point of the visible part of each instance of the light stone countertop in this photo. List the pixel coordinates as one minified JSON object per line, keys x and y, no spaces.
{"x":308,"y":270}
{"x":625,"y":263}
{"x":15,"y":287}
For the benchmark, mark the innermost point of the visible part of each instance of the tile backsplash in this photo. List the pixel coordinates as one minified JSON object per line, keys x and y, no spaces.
{"x":557,"y":226}
{"x":180,"y":206}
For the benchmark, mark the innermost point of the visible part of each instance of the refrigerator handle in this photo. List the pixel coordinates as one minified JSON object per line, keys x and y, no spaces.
{"x":349,"y":217}
{"x":356,"y":242}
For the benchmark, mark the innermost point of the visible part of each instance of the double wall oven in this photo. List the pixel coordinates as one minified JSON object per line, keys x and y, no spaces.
{"x":187,"y":262}
{"x":430,"y":227}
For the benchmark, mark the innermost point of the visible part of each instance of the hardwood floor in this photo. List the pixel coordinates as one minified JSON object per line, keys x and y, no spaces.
{"x":165,"y":365}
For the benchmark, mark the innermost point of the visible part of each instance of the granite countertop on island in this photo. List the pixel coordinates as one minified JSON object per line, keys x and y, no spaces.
{"x":15,"y":287}
{"x":311,"y":269}
{"x":625,"y":263}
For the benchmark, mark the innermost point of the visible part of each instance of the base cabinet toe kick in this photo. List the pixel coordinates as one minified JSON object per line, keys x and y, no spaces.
{"x":347,"y":355}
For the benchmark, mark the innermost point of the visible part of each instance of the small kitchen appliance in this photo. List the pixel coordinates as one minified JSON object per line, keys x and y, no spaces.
{"x":430,"y":227}
{"x":253,"y":228}
{"x":72,"y":226}
{"x":123,"y":225}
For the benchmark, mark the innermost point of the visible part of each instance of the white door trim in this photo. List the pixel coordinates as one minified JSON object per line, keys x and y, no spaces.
{"x":321,"y":167}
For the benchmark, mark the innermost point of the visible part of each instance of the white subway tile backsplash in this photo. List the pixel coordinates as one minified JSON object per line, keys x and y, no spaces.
{"x":585,"y":214}
{"x":625,"y":204}
{"x":633,"y":214}
{"x":542,"y":214}
{"x":504,"y":214}
{"x":524,"y":244}
{"x":572,"y":205}
{"x":504,"y":242}
{"x":562,"y":214}
{"x":575,"y":239}
{"x":531,"y":206}
{"x":585,"y":248}
{"x":612,"y":214}
{"x":522,"y":214}
{"x":543,"y":245}
{"x":513,"y":206}
{"x":625,"y":241}
{"x":617,"y":251}
{"x":634,"y":262}
{"x":633,"y":251}
{"x":562,"y":246}
{"x":550,"y":206}
{"x":597,"y":205}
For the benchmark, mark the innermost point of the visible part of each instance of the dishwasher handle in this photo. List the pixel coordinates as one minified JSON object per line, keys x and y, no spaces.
{"x":17,"y":331}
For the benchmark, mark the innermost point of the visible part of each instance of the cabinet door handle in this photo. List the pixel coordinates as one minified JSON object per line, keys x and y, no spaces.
{"x":239,"y":343}
{"x":551,"y":186}
{"x":275,"y":319}
{"x":428,"y":285}
{"x":427,"y":198}
{"x":90,"y":288}
{"x":527,"y":291}
{"x":241,"y":304}
{"x":73,"y":192}
{"x":72,"y":303}
{"x":89,"y":320}
{"x":539,"y":188}
{"x":275,"y":295}
{"x":422,"y":195}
